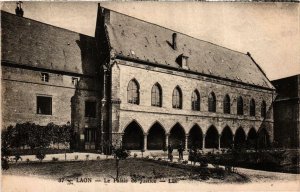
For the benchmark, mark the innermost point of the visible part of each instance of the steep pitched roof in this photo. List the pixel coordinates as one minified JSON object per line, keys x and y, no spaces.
{"x":31,"y":43}
{"x":141,"y":40}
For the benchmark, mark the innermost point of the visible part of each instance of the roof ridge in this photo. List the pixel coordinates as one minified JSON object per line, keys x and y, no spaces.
{"x":175,"y":31}
{"x":26,"y":18}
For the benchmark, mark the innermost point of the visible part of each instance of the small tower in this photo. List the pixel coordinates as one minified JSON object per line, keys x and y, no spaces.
{"x":19,"y":10}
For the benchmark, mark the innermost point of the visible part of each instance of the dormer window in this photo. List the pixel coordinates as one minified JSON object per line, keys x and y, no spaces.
{"x":75,"y":81}
{"x":45,"y":77}
{"x":182,"y":60}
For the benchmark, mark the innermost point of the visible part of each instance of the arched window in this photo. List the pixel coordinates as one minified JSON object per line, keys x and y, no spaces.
{"x":252,"y":107}
{"x":212,"y":102}
{"x":263,"y":109}
{"x":156,"y":96}
{"x":196,"y":101}
{"x":240,"y":106}
{"x":177,"y":98}
{"x":133,"y":92}
{"x":226,"y":104}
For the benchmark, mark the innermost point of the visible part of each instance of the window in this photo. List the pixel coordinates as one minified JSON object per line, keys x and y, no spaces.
{"x":133,"y":92}
{"x":177,"y":98}
{"x":44,"y":105}
{"x":45,"y":77}
{"x":90,"y":109}
{"x":226,"y":104}
{"x":263,"y":109}
{"x":90,"y":135}
{"x":156,"y":96}
{"x":196,"y":101}
{"x":75,"y":81}
{"x":212,"y":102}
{"x":240,"y":106}
{"x":252,"y":107}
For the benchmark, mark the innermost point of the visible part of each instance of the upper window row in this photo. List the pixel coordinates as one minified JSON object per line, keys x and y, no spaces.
{"x":133,"y":92}
{"x":45,"y":78}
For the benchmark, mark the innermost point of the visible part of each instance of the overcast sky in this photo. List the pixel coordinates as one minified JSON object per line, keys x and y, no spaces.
{"x":269,"y":31}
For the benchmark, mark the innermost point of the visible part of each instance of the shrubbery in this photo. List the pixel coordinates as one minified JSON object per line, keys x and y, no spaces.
{"x":35,"y":136}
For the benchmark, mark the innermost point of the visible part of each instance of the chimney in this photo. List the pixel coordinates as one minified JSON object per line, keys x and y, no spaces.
{"x":174,"y":37}
{"x":19,"y":10}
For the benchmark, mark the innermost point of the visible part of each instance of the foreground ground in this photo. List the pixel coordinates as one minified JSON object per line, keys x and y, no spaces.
{"x":129,"y":168}
{"x":36,"y":176}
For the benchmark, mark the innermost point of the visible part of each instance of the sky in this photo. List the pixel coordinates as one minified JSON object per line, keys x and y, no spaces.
{"x":269,"y":31}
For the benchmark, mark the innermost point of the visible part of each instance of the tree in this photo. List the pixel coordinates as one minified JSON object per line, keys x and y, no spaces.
{"x":40,"y":154}
{"x":120,"y":154}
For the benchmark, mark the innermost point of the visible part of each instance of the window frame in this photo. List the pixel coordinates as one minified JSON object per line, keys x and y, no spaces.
{"x":156,"y":95}
{"x":133,"y":95}
{"x":195,"y":100}
{"x":44,"y":77}
{"x":226,"y":105}
{"x":240,"y":106}
{"x":177,"y":98}
{"x":252,"y":108}
{"x":88,"y":113}
{"x":38,"y":103}
{"x":212,"y":102}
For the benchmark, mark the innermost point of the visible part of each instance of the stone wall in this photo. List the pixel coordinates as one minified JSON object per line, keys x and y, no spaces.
{"x":146,"y":115}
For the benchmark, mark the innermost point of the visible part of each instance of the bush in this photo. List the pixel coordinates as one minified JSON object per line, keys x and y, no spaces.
{"x":54,"y":159}
{"x":27,"y":160}
{"x":40,"y":154}
{"x":87,"y":157}
{"x":134,"y":155}
{"x":98,"y":158}
{"x":76,"y":157}
{"x":17,"y":158}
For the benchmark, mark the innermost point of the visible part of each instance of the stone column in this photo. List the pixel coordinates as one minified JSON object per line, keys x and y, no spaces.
{"x":121,"y":139}
{"x":145,"y":141}
{"x":167,"y":139}
{"x":186,"y":142}
{"x":203,"y":141}
{"x":219,"y":141}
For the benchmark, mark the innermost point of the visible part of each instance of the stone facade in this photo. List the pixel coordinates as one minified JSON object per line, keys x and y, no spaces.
{"x":287,"y":112}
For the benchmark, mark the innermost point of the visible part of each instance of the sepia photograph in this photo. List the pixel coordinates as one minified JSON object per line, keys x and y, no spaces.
{"x":146,"y":96}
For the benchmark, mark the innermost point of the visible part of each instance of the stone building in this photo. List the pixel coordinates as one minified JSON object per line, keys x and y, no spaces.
{"x":287,"y":112}
{"x":135,"y":83}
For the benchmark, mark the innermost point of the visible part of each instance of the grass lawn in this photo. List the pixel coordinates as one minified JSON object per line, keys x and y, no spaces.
{"x":106,"y":168}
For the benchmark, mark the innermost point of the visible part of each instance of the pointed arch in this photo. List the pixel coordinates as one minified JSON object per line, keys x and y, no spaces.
{"x":252,"y":139}
{"x":263,"y":112}
{"x":156,"y":137}
{"x":133,"y":92}
{"x":177,"y":136}
{"x":212,"y":102}
{"x":226,"y":140}
{"x":240,"y":105}
{"x":212,"y":137}
{"x":226,"y":104}
{"x":252,"y":107}
{"x":195,"y":137}
{"x":263,"y":138}
{"x":177,"y":98}
{"x":239,"y":137}
{"x":156,"y":95}
{"x":133,"y":137}
{"x":196,"y":100}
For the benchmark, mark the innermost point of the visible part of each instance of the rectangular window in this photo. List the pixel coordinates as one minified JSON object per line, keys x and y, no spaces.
{"x":90,"y":135}
{"x":90,"y":109}
{"x":75,"y":81}
{"x":44,"y":105}
{"x":45,"y":77}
